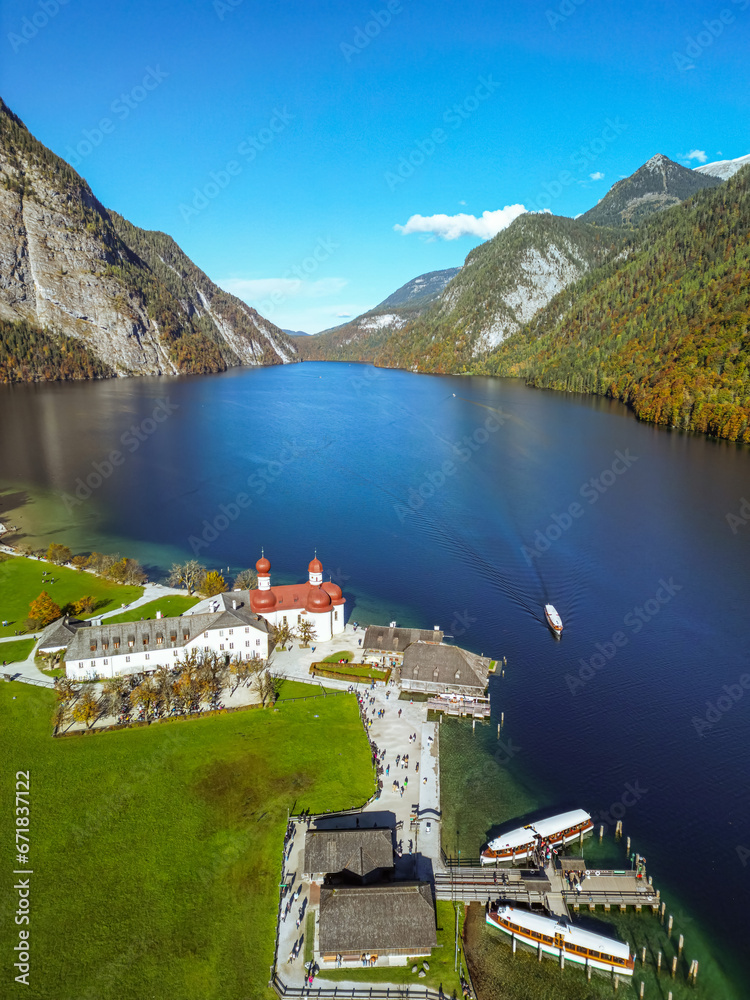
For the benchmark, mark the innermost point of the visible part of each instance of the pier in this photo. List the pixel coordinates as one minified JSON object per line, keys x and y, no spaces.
{"x":477,"y":708}
{"x":547,"y":888}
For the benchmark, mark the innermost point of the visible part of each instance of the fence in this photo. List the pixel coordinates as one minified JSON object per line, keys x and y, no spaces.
{"x":369,"y":992}
{"x":38,"y":681}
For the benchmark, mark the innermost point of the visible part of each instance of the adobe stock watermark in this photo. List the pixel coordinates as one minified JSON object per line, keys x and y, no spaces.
{"x":608,"y":818}
{"x":717,"y":709}
{"x":581,"y":159}
{"x":31,"y":26}
{"x":562,"y":12}
{"x":224,"y":7}
{"x":591,"y":490}
{"x":230,"y":512}
{"x":741,"y":518}
{"x":321,"y":252}
{"x":464,"y":451}
{"x":379,"y":19}
{"x":454,"y":116}
{"x":710,"y":30}
{"x":248,"y":150}
{"x":743,"y":853}
{"x":131,"y":440}
{"x":634,"y":620}
{"x":121,"y":107}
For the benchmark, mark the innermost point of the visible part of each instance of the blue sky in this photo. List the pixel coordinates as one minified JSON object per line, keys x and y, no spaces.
{"x":281,"y":144}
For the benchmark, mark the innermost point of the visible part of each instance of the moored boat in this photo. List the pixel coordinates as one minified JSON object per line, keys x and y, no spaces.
{"x":553,"y":619}
{"x":515,"y":845}
{"x":561,"y":939}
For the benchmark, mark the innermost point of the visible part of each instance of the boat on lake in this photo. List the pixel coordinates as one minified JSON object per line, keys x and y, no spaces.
{"x":518,"y":844}
{"x":562,"y":939}
{"x":553,"y":619}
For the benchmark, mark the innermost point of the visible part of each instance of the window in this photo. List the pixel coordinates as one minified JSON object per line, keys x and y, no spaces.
{"x":257,"y":642}
{"x":206,"y":649}
{"x":221,"y":645}
{"x":93,"y":645}
{"x":336,"y":615}
{"x":185,"y":636}
{"x":174,"y":652}
{"x":117,"y":643}
{"x":145,"y":640}
{"x":105,"y":644}
{"x":283,"y":618}
{"x":127,"y":659}
{"x":247,"y":642}
{"x":148,"y":656}
{"x":205,"y":635}
{"x":93,"y":663}
{"x":221,"y":633}
{"x":80,"y":663}
{"x":231,"y":645}
{"x":247,"y":630}
{"x":106,"y":661}
{"x":131,"y":643}
{"x":159,"y":640}
{"x":231,"y":631}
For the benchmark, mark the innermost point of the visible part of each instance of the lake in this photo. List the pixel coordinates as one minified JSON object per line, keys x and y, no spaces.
{"x":467,"y":503}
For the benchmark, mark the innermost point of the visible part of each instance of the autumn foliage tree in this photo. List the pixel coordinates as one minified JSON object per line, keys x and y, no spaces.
{"x":43,"y":610}
{"x":84,"y":605}
{"x":212,"y":583}
{"x":59,"y":554}
{"x":86,"y":709}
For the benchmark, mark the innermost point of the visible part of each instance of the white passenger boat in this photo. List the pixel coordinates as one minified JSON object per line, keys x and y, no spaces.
{"x":563,"y":940}
{"x":553,"y":619}
{"x":519,"y":843}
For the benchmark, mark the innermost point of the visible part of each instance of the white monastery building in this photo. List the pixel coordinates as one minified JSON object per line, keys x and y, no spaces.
{"x":142,"y":647}
{"x":322,"y":604}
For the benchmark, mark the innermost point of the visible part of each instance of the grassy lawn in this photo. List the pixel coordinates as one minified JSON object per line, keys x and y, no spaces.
{"x":21,"y":582}
{"x":162,"y":845}
{"x":360,"y":670}
{"x":289,"y":690}
{"x":335,"y":657}
{"x":440,"y":961}
{"x":169,"y":606}
{"x":13,"y":652}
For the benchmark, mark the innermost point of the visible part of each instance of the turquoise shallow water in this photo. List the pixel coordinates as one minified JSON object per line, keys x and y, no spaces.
{"x":467,"y":503}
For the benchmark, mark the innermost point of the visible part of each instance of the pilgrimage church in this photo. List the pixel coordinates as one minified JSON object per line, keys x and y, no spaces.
{"x":322,"y":604}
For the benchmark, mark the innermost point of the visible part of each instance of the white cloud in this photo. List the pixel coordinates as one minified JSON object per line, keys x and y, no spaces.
{"x":451,"y":227}
{"x":462,"y":202}
{"x":598,"y":176}
{"x":254,"y":289}
{"x":343,"y":315}
{"x":697,"y":154}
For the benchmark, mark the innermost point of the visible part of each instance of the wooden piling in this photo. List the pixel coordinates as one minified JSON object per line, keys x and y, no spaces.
{"x":473,"y":725}
{"x":588,"y":972}
{"x":674,"y":967}
{"x":617,"y":982}
{"x":695,"y":970}
{"x":641,"y":989}
{"x":663,"y":910}
{"x":580,"y":841}
{"x":669,"y":925}
{"x":539,"y":953}
{"x":658,"y":963}
{"x":513,"y":938}
{"x":498,"y":730}
{"x":562,"y":959}
{"x":618,"y":829}
{"x":680,"y":944}
{"x":643,"y":955}
{"x":502,"y":718}
{"x":627,"y":847}
{"x":601,"y":832}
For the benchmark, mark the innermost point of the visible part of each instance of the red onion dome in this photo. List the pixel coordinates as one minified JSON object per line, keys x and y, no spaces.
{"x":333,"y":591}
{"x":316,"y":566}
{"x":263,"y":600}
{"x":317,"y":600}
{"x":263,"y":566}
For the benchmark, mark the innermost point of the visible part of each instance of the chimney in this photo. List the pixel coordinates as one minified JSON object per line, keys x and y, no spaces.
{"x":234,"y":605}
{"x":158,"y":614}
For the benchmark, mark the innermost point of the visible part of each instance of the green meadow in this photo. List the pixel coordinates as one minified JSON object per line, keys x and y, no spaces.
{"x":170,"y":607}
{"x":156,"y":851}
{"x":21,"y":581}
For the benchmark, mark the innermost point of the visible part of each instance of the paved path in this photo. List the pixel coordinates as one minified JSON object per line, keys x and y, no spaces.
{"x":401,"y":731}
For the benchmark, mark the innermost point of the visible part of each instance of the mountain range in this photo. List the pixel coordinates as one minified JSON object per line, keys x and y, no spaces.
{"x":644,"y":298}
{"x":84,"y":293}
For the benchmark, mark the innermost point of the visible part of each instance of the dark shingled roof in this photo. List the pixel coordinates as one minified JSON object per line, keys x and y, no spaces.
{"x":171,"y":631}
{"x":395,"y":640}
{"x":398,"y":916}
{"x":356,"y":851}
{"x":58,"y":634}
{"x":445,"y":665}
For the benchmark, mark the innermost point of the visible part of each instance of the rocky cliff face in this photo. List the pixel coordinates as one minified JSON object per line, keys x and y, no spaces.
{"x":132,"y":297}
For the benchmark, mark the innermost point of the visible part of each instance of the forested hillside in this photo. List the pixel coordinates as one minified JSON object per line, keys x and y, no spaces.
{"x":665,"y":330}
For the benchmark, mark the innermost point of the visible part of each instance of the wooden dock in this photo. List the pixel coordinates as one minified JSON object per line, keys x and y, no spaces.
{"x":548,"y":889}
{"x":477,"y":708}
